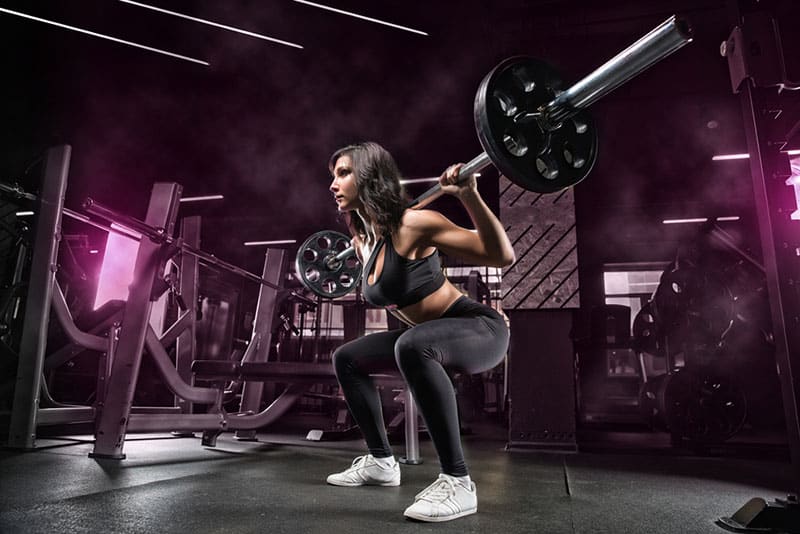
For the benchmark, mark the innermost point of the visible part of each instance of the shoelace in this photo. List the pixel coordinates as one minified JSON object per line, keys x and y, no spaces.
{"x":440,"y":490}
{"x":359,"y":461}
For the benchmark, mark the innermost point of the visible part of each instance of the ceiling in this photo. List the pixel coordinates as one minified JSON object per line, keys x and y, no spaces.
{"x":259,"y":122}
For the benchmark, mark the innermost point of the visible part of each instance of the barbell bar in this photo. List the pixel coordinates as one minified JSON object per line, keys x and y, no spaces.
{"x":132,"y":228}
{"x":16,"y":191}
{"x":499,"y":110}
{"x":158,"y":235}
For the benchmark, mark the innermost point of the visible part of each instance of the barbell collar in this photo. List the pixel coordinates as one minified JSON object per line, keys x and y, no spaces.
{"x":663,"y":40}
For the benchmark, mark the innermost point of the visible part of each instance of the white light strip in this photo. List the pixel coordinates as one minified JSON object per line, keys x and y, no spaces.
{"x":726,"y":157}
{"x":198,"y":199}
{"x":24,"y":213}
{"x":683,"y":221}
{"x":279,"y":242}
{"x":102,"y":36}
{"x":419,"y":180}
{"x":210,"y":23}
{"x":342,"y":12}
{"x":699,"y":220}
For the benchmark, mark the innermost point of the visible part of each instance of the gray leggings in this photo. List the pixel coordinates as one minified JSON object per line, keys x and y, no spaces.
{"x":468,"y":338}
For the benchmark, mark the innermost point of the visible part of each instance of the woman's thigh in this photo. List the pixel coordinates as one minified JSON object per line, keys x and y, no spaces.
{"x":373,"y":353}
{"x":465,"y":344}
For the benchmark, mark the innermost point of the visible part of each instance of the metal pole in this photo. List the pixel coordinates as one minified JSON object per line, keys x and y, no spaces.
{"x":186,"y":344}
{"x":112,"y":424}
{"x":22,"y":427}
{"x":666,"y":38}
{"x":274,"y":266}
{"x":412,"y":431}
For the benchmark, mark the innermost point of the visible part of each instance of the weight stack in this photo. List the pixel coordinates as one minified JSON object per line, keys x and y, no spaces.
{"x":541,"y":381}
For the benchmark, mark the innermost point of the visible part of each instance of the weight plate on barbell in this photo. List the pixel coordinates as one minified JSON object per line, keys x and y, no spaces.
{"x":318,"y":269}
{"x":539,"y":160}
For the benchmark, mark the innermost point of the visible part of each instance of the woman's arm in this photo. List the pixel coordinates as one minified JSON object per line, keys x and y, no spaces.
{"x":488,"y":244}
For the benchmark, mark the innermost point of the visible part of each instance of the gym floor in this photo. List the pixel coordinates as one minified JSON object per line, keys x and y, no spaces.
{"x":277,"y":484}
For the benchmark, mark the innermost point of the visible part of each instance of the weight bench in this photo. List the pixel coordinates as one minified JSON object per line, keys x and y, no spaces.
{"x":304,"y":373}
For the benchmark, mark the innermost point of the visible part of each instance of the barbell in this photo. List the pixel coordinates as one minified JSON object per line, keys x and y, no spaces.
{"x":538,"y":136}
{"x":158,"y":235}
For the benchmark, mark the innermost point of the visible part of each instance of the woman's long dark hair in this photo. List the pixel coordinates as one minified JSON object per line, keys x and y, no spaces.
{"x":379,"y":188}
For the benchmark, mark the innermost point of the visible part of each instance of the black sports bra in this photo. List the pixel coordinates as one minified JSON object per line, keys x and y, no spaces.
{"x":402,"y":282}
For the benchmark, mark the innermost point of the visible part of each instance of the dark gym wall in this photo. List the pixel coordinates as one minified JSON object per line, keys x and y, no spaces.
{"x":259,"y":124}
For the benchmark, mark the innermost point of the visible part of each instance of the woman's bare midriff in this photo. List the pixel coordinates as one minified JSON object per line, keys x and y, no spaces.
{"x":431,"y":307}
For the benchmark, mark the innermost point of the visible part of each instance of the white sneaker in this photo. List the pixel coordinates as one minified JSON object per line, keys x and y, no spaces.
{"x":444,"y":500}
{"x":365,"y":472}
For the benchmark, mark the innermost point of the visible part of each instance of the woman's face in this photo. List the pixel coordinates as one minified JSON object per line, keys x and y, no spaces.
{"x":343,"y":186}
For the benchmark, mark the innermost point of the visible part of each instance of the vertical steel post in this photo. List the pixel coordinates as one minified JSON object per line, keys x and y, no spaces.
{"x":780,"y":244}
{"x":22,"y":427}
{"x":115,"y":413}
{"x":186,"y":344}
{"x":412,"y":431}
{"x":262,"y":333}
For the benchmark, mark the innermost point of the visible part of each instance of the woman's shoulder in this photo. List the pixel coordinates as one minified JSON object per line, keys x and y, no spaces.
{"x":422,"y":220}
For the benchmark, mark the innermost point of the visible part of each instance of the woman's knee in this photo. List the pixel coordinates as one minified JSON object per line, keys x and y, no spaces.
{"x":409,"y":352}
{"x":344,"y":360}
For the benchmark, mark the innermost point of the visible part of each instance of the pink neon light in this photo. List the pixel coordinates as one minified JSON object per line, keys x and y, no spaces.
{"x":116,"y":272}
{"x":794,"y":181}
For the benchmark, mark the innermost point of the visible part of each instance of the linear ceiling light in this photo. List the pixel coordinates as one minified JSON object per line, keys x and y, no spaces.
{"x":351,"y":14}
{"x":103,"y":36}
{"x":200,"y":199}
{"x":700,"y":220}
{"x":725,"y":157}
{"x":210,"y":23}
{"x":684,"y":221}
{"x":279,"y":242}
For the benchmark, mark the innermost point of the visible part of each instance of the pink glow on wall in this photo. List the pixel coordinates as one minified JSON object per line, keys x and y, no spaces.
{"x":116,"y":272}
{"x":794,"y":181}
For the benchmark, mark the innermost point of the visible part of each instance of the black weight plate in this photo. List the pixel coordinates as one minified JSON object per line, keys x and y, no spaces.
{"x":531,"y":157}
{"x":319,"y":272}
{"x":704,"y":405}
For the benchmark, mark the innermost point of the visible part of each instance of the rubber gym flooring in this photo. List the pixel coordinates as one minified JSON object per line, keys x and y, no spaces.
{"x":277,"y":484}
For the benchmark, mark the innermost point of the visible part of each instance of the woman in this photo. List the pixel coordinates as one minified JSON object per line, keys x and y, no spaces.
{"x":399,"y":249}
